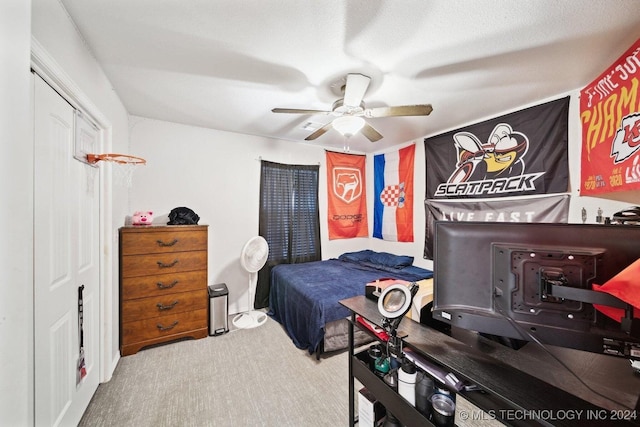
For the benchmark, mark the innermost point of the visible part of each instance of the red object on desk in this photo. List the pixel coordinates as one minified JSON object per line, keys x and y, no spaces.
{"x":624,"y":285}
{"x":378,"y":331}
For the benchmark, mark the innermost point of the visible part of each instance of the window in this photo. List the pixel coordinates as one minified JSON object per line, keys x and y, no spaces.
{"x":289,"y":218}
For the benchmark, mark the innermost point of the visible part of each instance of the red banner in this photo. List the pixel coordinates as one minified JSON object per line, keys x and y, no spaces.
{"x":610,"y":117}
{"x":346,"y":194}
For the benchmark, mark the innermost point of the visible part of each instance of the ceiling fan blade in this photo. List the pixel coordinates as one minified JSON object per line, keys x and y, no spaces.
{"x":319,"y":132}
{"x":299,"y":111}
{"x":355,"y":89}
{"x":402,"y":110}
{"x":371,"y":134}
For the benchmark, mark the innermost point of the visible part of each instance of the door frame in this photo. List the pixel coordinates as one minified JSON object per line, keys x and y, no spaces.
{"x":52,"y":73}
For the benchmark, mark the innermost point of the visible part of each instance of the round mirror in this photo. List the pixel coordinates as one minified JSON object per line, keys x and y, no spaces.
{"x":394,"y":301}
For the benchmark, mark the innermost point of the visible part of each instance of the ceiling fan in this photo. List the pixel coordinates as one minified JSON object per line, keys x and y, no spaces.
{"x":350,"y":110}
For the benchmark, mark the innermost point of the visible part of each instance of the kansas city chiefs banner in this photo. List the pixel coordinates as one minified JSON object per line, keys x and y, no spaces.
{"x":393,"y":195}
{"x":518,"y":154}
{"x":610,"y":117}
{"x":530,"y":209}
{"x":346,"y":194}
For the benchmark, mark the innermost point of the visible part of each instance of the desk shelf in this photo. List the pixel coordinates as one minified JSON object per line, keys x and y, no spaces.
{"x":503,"y":389}
{"x":390,"y":399}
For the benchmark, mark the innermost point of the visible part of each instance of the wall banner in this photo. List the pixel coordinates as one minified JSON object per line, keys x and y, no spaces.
{"x":393,"y":195}
{"x":530,"y":209}
{"x":346,"y":194}
{"x":518,"y":154}
{"x":610,"y":117}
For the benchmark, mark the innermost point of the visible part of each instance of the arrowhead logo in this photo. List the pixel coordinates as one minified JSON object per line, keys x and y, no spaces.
{"x":627,"y":140}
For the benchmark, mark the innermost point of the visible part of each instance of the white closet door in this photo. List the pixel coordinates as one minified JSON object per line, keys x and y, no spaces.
{"x":66,"y":249}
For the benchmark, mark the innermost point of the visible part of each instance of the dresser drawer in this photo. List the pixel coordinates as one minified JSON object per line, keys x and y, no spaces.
{"x":170,"y":240}
{"x":162,"y":284}
{"x":158,"y":327}
{"x":146,"y":308}
{"x":163,"y":263}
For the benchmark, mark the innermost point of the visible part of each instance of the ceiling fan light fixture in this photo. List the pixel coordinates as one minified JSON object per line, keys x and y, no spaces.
{"x":348,"y":125}
{"x":350,"y":110}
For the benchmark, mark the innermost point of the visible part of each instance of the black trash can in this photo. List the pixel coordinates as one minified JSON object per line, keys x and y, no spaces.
{"x":218,"y":309}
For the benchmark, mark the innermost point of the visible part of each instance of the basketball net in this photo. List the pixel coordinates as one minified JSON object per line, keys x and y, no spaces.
{"x":123,"y":173}
{"x":123,"y":166}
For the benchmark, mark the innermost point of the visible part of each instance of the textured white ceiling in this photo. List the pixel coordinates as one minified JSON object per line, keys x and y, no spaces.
{"x":225,"y":64}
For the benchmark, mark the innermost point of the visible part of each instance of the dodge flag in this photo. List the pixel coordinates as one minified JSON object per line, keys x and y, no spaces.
{"x":346,"y":194}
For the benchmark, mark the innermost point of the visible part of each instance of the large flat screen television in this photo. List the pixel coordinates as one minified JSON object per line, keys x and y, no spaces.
{"x":533,"y":282}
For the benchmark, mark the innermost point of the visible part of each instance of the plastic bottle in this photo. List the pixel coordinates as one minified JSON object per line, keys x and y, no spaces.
{"x":407,"y":381}
{"x":382,"y":366}
{"x":424,"y":390}
{"x":375,"y":352}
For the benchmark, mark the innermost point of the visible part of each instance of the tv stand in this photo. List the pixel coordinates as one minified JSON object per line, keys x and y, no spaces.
{"x":504,"y":392}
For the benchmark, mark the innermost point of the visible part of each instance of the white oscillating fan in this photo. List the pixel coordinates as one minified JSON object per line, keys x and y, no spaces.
{"x":253,"y":257}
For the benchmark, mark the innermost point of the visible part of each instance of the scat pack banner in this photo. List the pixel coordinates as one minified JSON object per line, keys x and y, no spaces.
{"x":519,"y":154}
{"x":346,"y":194}
{"x":610,"y":117}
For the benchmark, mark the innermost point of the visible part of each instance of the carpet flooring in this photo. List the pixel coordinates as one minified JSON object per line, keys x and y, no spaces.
{"x":249,"y":377}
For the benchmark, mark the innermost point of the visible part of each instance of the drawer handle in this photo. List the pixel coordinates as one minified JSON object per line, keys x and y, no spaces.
{"x":161,"y":306}
{"x":166,"y":328}
{"x":161,"y":285}
{"x":161,"y":243}
{"x":163,"y":265}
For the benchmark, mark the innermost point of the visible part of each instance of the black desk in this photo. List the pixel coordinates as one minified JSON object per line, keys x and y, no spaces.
{"x":509,"y":380}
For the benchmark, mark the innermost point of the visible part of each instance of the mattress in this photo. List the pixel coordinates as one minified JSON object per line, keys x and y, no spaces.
{"x":304,"y":297}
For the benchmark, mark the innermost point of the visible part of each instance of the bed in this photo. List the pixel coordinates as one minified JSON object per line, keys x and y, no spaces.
{"x":304,"y":298}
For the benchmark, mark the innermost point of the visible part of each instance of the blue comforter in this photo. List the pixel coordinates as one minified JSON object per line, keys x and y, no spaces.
{"x":303,"y":297}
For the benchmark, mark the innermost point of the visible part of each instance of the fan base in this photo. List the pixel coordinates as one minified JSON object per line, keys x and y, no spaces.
{"x":249,"y":319}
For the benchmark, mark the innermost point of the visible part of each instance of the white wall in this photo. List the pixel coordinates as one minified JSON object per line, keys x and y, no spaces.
{"x":16,"y":216}
{"x":217,"y":174}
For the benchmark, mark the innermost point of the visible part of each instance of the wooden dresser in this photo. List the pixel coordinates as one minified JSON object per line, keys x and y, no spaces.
{"x":163,"y":285}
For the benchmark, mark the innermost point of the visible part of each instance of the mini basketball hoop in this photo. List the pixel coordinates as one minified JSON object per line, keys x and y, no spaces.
{"x":126,"y":165}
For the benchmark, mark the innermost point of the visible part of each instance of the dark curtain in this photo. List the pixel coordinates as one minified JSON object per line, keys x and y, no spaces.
{"x":289,"y":219}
